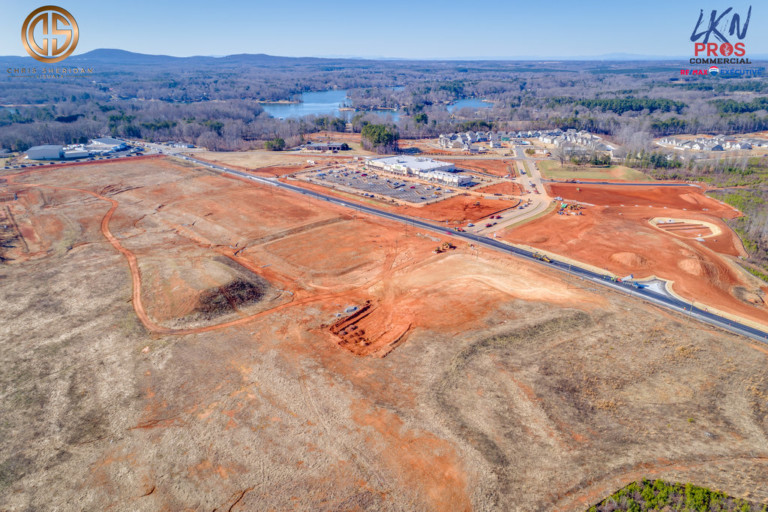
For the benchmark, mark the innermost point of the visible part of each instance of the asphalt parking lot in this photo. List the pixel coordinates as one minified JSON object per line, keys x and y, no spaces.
{"x":374,"y":185}
{"x":107,"y":156}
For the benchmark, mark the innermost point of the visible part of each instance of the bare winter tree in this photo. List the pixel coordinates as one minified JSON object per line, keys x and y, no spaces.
{"x":562,"y":153}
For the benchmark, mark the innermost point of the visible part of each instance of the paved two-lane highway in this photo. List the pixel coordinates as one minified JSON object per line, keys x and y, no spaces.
{"x":659,"y":299}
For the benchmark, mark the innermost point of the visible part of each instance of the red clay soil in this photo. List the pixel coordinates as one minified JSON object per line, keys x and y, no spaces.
{"x":51,"y":167}
{"x":360,"y":334}
{"x":455,"y":210}
{"x":621,"y":240}
{"x":421,"y":460}
{"x":458,"y":209}
{"x":38,"y":235}
{"x":506,"y":188}
{"x":495,"y":167}
{"x":131,"y":258}
{"x":138,"y":304}
{"x":686,"y":229}
{"x":681,"y":198}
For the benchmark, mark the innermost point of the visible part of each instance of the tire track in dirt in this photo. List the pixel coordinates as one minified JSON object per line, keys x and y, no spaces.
{"x":453,"y":381}
{"x":357,"y":456}
{"x":133,"y":265}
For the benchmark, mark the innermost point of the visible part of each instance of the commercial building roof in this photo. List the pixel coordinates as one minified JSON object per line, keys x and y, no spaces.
{"x":415,"y":164}
{"x":47,"y":147}
{"x":108,"y":141}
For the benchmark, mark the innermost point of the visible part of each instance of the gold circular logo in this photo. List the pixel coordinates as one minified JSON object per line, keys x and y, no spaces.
{"x":57,"y":32}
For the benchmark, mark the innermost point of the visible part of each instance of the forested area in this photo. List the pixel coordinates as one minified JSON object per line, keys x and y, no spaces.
{"x":216,"y":102}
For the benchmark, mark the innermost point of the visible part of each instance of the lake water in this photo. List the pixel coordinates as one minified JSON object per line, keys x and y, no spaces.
{"x":468,"y":103}
{"x":312,"y":103}
{"x":324,"y":103}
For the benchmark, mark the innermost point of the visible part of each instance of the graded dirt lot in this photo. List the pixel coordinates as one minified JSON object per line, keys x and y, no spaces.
{"x":506,"y":188}
{"x":615,"y":234}
{"x":496,"y":167}
{"x":551,"y":169}
{"x":170,"y":341}
{"x":269,"y":163}
{"x":426,"y":146}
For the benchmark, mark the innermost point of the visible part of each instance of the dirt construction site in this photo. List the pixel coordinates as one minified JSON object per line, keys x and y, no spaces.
{"x":174,"y":339}
{"x":674,"y":232}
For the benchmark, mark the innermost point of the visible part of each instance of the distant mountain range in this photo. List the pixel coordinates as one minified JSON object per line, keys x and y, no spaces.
{"x":126,"y":58}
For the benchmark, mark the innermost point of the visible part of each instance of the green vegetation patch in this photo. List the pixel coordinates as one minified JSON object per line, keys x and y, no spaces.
{"x":751,"y":226}
{"x":621,"y":105}
{"x":740,"y":107}
{"x":659,"y":495}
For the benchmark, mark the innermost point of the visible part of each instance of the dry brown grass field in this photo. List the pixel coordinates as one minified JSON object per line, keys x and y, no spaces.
{"x":166,"y":343}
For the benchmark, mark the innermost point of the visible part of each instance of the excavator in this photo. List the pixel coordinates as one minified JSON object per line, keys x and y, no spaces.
{"x":542,"y":257}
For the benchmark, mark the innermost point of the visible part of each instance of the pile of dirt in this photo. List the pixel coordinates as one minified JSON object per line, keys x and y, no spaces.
{"x":692,"y":266}
{"x":229,"y":298}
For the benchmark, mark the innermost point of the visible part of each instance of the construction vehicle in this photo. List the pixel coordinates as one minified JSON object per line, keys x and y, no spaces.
{"x":542,"y":257}
{"x":445,"y":246}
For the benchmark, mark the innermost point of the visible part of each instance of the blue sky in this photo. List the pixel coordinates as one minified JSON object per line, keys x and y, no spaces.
{"x":445,"y":29}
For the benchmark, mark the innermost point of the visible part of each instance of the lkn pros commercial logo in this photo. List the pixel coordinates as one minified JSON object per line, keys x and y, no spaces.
{"x":720,"y":37}
{"x":50,"y":34}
